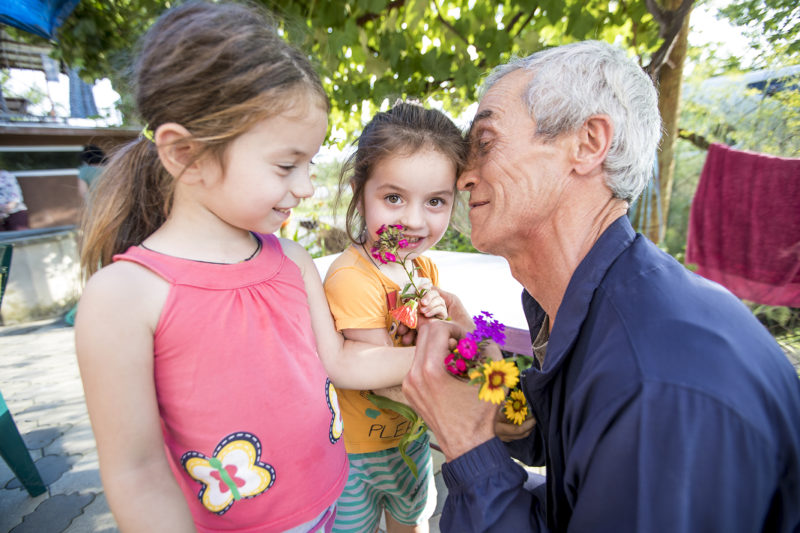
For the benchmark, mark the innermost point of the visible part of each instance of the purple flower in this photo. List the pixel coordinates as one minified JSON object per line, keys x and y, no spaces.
{"x":488,"y":328}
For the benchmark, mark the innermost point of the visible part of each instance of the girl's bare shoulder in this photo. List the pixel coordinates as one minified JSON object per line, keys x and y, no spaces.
{"x":125,"y":289}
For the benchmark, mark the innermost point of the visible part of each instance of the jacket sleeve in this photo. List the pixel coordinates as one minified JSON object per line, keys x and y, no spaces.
{"x":486,"y":493}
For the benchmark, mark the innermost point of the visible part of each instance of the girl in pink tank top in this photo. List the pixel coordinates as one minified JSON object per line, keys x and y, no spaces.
{"x":203,"y":341}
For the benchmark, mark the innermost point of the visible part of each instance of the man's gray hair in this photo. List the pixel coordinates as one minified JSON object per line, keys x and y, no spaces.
{"x":573,"y":82}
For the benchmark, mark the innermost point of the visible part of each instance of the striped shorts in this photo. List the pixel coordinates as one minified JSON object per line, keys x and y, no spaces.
{"x":382,"y":480}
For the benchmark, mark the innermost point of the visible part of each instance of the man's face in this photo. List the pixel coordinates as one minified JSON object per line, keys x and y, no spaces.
{"x":515,"y":179}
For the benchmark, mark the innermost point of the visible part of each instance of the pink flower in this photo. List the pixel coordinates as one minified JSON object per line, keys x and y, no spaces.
{"x":381,"y":229}
{"x":461,"y":365}
{"x":402,"y":243}
{"x":390,"y":257}
{"x":467,"y":348}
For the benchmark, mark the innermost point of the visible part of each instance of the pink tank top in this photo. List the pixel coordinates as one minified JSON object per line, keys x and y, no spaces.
{"x":251,"y":422}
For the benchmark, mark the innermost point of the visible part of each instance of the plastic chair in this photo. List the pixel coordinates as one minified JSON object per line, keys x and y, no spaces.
{"x":16,"y":454}
{"x":12,"y":447}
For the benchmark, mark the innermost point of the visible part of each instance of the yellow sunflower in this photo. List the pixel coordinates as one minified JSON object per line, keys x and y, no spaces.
{"x":499,"y":374}
{"x":516,"y":408}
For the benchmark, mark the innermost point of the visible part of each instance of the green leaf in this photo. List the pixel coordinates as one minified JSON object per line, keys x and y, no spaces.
{"x":417,"y":426}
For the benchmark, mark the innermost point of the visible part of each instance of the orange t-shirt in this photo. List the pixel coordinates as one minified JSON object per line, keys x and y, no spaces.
{"x":357,"y":295}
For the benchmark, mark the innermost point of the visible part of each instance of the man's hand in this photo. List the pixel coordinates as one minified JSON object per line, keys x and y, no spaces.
{"x":508,"y":431}
{"x":449,"y":406}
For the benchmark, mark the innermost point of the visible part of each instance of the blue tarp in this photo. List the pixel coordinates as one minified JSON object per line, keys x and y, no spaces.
{"x":40,"y":17}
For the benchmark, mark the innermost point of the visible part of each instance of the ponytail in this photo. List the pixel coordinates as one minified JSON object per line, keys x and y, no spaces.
{"x":214,"y":68}
{"x":130,"y":201}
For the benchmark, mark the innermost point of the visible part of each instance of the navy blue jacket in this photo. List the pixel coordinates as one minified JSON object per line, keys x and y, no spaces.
{"x":663,"y":405}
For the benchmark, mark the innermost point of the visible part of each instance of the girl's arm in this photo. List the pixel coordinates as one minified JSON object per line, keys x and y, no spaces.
{"x":118,"y":311}
{"x":350,"y":364}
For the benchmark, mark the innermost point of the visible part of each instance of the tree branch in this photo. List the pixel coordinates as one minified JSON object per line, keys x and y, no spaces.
{"x":366,"y":17}
{"x":522,"y":27}
{"x":698,"y":140}
{"x":670,"y":23}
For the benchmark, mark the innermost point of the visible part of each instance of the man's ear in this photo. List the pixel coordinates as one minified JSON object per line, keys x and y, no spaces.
{"x":593,"y":142}
{"x":177,"y":153}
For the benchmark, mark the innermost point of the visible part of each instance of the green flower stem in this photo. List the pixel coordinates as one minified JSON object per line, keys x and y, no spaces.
{"x":418,"y":426}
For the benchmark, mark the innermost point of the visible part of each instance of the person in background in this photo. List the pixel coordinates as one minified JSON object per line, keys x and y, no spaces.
{"x":13,"y":211}
{"x":92,"y":160}
{"x":660,"y":402}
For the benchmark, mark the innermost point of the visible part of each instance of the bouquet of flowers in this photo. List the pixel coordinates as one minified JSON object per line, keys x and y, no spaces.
{"x":498,"y":379}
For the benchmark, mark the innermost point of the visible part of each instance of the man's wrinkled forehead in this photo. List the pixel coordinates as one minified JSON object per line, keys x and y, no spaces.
{"x":505,"y":96}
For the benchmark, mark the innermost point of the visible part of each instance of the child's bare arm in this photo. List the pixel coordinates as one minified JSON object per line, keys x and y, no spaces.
{"x":377,"y":337}
{"x":350,"y":364}
{"x":114,"y":342}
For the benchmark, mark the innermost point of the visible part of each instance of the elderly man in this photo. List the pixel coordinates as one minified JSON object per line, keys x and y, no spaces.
{"x":660,"y":403}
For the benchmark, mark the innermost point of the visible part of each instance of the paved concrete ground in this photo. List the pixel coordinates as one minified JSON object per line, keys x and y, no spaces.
{"x":40,"y":382}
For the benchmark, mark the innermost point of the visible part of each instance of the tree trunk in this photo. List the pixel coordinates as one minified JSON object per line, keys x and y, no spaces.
{"x":670,"y":79}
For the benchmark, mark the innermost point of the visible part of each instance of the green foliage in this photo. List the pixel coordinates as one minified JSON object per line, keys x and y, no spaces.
{"x":455,"y":241}
{"x":370,"y":52}
{"x":775,"y":21}
{"x":782,"y":322}
{"x":99,"y":40}
{"x":725,"y":110}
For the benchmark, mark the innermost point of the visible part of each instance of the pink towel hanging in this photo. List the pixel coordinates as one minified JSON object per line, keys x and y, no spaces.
{"x":744,"y":225}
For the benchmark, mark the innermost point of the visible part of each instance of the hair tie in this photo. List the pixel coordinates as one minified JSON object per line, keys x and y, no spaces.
{"x":147,"y":133}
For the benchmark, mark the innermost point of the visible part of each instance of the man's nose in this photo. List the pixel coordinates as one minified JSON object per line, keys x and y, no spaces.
{"x":467,"y":179}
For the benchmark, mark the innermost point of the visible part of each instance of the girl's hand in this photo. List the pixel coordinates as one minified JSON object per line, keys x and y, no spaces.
{"x":432,"y":305}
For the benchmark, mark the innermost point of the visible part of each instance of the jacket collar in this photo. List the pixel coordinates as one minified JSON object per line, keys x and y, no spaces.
{"x":578,"y":296}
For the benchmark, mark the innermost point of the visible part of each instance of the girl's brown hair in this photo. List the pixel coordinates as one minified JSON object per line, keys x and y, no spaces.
{"x":403,"y":130}
{"x":215,"y":69}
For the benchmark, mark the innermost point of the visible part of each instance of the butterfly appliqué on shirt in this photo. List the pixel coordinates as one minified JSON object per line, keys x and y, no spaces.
{"x":232,"y":473}
{"x":337,"y":424}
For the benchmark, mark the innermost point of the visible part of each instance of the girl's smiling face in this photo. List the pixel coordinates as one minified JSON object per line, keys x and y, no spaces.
{"x":416,"y":191}
{"x":266,"y":170}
